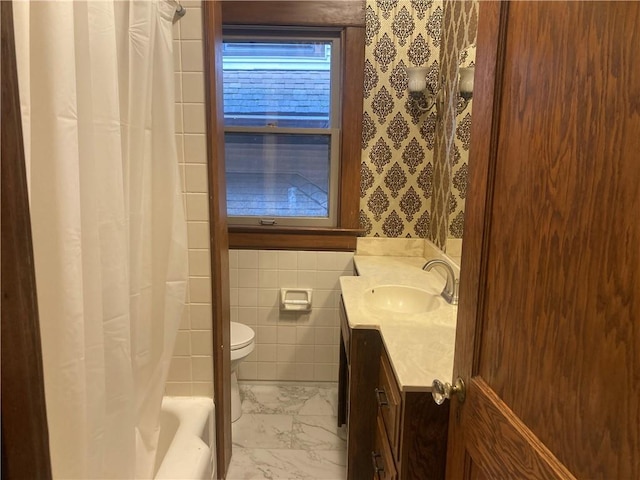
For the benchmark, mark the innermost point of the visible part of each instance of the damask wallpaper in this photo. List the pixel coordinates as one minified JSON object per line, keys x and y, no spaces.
{"x":398,"y":188}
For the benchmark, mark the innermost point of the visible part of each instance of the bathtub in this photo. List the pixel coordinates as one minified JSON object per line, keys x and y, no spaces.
{"x":186,"y":446}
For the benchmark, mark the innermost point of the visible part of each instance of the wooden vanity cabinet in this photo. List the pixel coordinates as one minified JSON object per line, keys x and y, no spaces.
{"x":391,"y":434}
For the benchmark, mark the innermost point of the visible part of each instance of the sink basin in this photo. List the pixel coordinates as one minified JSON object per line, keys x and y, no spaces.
{"x":401,"y":299}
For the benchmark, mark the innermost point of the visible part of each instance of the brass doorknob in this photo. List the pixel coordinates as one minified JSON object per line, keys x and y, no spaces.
{"x":442,"y":391}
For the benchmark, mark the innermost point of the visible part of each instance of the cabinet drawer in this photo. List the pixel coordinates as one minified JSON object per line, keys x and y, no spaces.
{"x":384,"y":467}
{"x":389,"y":401}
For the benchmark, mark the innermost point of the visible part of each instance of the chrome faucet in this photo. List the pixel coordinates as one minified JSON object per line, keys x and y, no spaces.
{"x":450,"y":291}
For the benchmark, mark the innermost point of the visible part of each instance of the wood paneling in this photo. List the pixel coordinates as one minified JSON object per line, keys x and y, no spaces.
{"x":25,"y":437}
{"x":293,"y":240}
{"x":550,"y":269}
{"x":351,"y":151}
{"x":212,"y":31}
{"x":491,"y":422}
{"x":569,"y":198}
{"x":337,"y":13}
{"x":424,"y":437}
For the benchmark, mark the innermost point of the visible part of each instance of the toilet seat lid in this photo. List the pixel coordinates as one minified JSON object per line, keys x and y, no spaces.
{"x":241,"y":335}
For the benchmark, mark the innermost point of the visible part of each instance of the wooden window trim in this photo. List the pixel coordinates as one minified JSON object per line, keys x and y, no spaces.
{"x":349,"y":16}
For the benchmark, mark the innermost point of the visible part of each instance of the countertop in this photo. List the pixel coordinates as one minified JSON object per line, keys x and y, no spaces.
{"x":421,"y":345}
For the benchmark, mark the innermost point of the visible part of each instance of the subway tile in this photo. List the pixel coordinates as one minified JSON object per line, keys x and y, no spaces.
{"x":202,"y":369}
{"x":323,"y":354}
{"x":268,"y":316}
{"x":233,"y":259}
{"x":343,"y":261}
{"x":267,"y":371}
{"x":177,"y":64}
{"x":175,"y":30}
{"x":287,"y":260}
{"x":178,"y":118}
{"x":267,"y":353}
{"x":201,"y":316}
{"x":180,"y":152}
{"x":247,"y":258}
{"x":325,"y":373}
{"x":307,"y":260}
{"x":287,"y":278}
{"x":248,"y":371}
{"x":191,"y":56}
{"x":201,"y":342}
{"x":267,"y":278}
{"x":304,"y":372}
{"x":195,"y":148}
{"x":324,"y":336}
{"x":182,"y":345}
{"x":177,"y":86}
{"x":327,"y":260}
{"x":233,"y":314}
{"x":286,"y":371}
{"x":307,"y":279}
{"x":193,"y":118}
{"x":199,"y":263}
{"x":183,"y":186}
{"x":252,"y":357}
{"x":196,"y":178}
{"x":248,"y":316}
{"x":327,"y":280}
{"x":191,"y":24}
{"x":233,"y":297}
{"x":200,"y":289}
{"x":203,"y":389}
{"x":197,"y":207}
{"x":286,"y":353}
{"x":178,"y":389}
{"x":305,"y":354}
{"x":269,"y":297}
{"x":233,"y":278}
{"x":266,"y":335}
{"x":305,"y":335}
{"x":248,"y":277}
{"x":193,"y":87}
{"x":185,"y":318}
{"x":268,"y":259}
{"x":323,"y":317}
{"x":286,"y":335}
{"x":179,"y":369}
{"x":324,"y":298}
{"x":247,"y":297}
{"x":198,"y":234}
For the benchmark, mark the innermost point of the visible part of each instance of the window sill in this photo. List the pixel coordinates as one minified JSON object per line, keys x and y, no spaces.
{"x":293,"y":238}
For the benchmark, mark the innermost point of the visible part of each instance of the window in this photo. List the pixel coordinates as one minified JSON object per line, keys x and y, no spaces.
{"x":292,"y":168}
{"x":282,"y":126}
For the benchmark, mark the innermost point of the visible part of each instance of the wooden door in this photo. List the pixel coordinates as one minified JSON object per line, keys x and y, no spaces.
{"x":549,"y":320}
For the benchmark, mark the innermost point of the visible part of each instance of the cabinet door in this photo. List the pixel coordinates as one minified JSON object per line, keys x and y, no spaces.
{"x":384,"y":467}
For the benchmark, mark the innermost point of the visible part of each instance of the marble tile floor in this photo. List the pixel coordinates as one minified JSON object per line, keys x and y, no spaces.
{"x":287,"y":432}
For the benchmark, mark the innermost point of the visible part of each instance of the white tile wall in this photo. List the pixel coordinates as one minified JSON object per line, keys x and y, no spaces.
{"x":289,"y":346}
{"x":192,"y":364}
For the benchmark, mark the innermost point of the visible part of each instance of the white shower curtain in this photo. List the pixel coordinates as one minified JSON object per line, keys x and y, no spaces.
{"x":96,"y":83}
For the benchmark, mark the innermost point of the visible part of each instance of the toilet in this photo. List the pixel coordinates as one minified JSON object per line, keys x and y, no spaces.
{"x":242,"y":344}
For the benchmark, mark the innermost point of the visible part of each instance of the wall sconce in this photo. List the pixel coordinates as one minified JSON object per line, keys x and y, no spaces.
{"x":419,"y":87}
{"x":465,"y":84}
